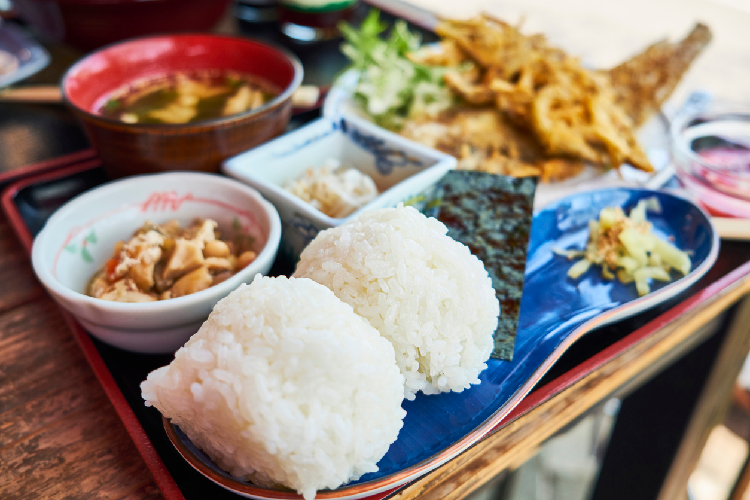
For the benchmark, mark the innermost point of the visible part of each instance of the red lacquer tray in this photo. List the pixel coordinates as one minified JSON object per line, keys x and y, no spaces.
{"x":27,"y":203}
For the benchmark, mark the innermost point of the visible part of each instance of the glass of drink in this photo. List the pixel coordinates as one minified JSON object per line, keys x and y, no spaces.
{"x":711,"y":149}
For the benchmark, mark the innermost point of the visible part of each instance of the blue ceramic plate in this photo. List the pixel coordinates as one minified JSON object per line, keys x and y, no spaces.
{"x":555,"y":311}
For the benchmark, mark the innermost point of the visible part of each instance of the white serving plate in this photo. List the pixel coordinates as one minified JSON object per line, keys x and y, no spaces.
{"x":653,"y":137}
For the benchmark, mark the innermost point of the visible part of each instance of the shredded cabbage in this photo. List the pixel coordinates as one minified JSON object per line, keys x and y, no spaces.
{"x":392,"y":88}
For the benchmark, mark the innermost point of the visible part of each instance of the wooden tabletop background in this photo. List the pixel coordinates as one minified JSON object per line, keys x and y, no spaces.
{"x":59,"y":435}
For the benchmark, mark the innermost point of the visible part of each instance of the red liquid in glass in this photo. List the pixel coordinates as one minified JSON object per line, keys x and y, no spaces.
{"x":721,"y":189}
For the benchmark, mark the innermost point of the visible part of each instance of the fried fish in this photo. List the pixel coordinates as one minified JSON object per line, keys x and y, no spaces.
{"x":643,"y":83}
{"x":528,"y":108}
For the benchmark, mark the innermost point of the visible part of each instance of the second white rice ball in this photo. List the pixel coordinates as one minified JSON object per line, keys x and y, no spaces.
{"x":425,"y":292}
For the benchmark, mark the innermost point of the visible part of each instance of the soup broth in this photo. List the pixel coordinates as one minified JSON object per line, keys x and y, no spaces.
{"x":187,"y":97}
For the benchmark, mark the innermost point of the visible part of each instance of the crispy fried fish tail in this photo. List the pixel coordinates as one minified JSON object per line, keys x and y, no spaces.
{"x":644,"y":82}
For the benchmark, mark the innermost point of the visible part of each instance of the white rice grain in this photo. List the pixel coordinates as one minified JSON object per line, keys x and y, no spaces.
{"x":423,"y":291}
{"x":284,"y":384}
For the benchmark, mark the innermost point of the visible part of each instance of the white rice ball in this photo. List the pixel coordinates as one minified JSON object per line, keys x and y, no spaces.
{"x":284,"y":384}
{"x":425,"y":292}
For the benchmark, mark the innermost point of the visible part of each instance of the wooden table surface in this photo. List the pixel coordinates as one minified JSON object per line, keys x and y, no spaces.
{"x":59,"y":435}
{"x":61,"y":438}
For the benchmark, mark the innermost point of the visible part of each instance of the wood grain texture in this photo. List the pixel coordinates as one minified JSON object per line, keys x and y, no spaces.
{"x":19,"y":283}
{"x":60,"y":438}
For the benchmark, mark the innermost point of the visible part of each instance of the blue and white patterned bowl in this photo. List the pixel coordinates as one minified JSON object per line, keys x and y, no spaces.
{"x":400,"y":168}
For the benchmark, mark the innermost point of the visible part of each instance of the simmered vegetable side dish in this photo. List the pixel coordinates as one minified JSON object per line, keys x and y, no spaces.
{"x":626,"y":247}
{"x":187,"y":97}
{"x":164,"y":261}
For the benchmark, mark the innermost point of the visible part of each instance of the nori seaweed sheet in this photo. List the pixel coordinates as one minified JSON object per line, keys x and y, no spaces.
{"x":491,"y":214}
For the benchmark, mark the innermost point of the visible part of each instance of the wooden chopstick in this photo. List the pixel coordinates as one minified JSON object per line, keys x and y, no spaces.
{"x":732,"y":229}
{"x":305,"y":96}
{"x":32,"y":93}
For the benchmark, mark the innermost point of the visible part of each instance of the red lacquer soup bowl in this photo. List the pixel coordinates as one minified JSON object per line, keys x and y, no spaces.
{"x":137,"y":148}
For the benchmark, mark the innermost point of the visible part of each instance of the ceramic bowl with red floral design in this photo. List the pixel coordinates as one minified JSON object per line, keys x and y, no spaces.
{"x":80,"y":238}
{"x":105,"y":76}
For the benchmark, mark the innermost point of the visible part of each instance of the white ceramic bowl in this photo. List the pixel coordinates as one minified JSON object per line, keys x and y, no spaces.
{"x":80,"y":237}
{"x":653,"y":137}
{"x":400,"y":168}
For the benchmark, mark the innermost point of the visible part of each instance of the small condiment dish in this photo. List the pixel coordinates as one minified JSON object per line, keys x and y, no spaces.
{"x":80,"y":237}
{"x":399,"y":167}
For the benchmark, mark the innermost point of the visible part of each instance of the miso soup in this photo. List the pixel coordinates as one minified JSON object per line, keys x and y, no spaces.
{"x":188,"y":97}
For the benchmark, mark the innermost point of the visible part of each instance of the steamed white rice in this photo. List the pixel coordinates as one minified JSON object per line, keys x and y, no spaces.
{"x":425,"y":292}
{"x":285,"y":384}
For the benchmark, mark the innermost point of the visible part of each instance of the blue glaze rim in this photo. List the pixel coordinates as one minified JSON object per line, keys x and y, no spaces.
{"x":387,"y":158}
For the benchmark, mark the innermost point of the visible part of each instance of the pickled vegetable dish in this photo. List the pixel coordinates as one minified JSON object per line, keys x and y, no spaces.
{"x":187,"y":97}
{"x":164,"y":261}
{"x":626,"y":248}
